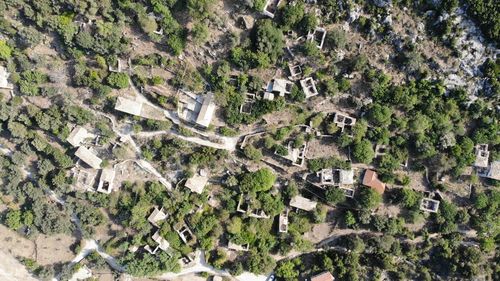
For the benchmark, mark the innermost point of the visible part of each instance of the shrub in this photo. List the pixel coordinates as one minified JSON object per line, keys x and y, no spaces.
{"x":117,"y":80}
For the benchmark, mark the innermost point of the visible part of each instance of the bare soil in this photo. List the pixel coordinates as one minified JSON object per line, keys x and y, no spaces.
{"x":54,"y":249}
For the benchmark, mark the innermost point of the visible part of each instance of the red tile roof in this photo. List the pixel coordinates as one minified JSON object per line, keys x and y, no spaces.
{"x":371,"y":180}
{"x":325,"y":276}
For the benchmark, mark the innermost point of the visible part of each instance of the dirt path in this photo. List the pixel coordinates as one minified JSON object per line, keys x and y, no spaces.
{"x":227,"y":143}
{"x":13,"y":270}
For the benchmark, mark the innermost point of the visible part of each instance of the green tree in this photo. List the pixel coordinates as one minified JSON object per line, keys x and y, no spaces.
{"x":287,"y":270}
{"x":261,"y":180}
{"x":309,"y":22}
{"x":147,"y":23}
{"x":410,"y":198}
{"x":363,"y":151}
{"x":292,"y":15}
{"x":380,"y":115}
{"x":268,"y":40}
{"x":368,"y":198}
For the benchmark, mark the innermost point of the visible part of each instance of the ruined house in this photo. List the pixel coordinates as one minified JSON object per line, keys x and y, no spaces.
{"x":296,"y":155}
{"x":246,"y":107}
{"x":302,"y":203}
{"x":344,"y":122}
{"x":295,"y":71}
{"x":381,"y":150}
{"x":106,"y":181}
{"x":120,"y":66}
{"x":343,"y":179}
{"x":482,"y":156}
{"x":283,"y":222}
{"x":371,"y":180}
{"x":162,"y":243}
{"x":309,"y":87}
{"x":185,"y":234}
{"x":271,"y":7}
{"x":84,"y":179}
{"x":317,"y":36}
{"x":88,"y":157}
{"x":244,"y":208}
{"x":429,"y":205}
{"x":336,"y":177}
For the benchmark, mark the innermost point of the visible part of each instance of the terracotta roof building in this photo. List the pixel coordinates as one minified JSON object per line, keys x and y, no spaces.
{"x":324,"y":276}
{"x":370,"y":179}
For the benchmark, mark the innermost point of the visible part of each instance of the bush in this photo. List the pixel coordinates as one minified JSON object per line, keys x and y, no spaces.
{"x":200,"y":33}
{"x":335,"y":195}
{"x":252,"y":153}
{"x":117,"y":80}
{"x":337,"y":38}
{"x":13,"y":219}
{"x":5,"y":50}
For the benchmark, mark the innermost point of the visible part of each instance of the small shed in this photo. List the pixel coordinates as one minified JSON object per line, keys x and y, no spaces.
{"x":156,"y":216}
{"x":494,"y":171}
{"x":197,"y":183}
{"x":77,"y":136}
{"x":237,"y":247}
{"x":88,"y":157}
{"x":303,"y":203}
{"x":162,"y":242}
{"x":128,"y":106}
